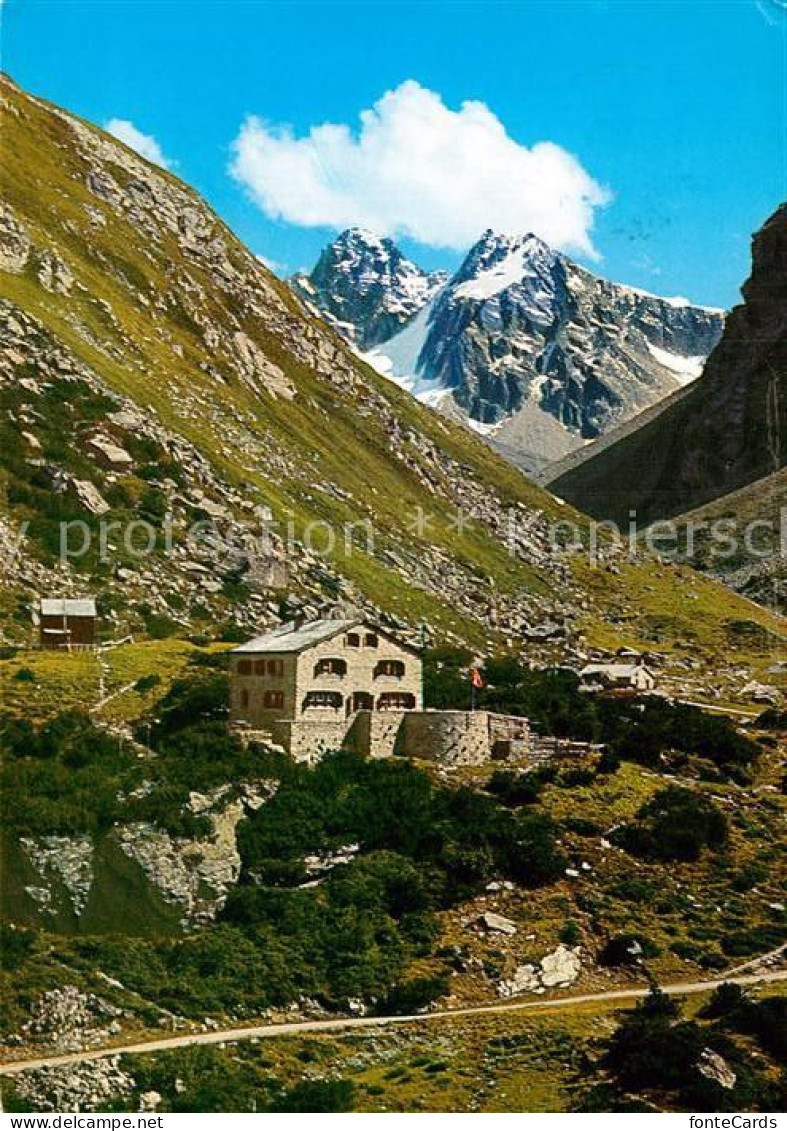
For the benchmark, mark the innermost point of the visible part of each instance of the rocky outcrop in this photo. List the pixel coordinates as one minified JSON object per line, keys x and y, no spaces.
{"x":730,"y":429}
{"x":67,"y":1020}
{"x":259,"y":370}
{"x":86,"y":1086}
{"x":191,"y":874}
{"x":54,"y":274}
{"x":195,"y":875}
{"x":714,"y":1067}
{"x":67,"y":860}
{"x":491,"y":921}
{"x":561,"y":967}
{"x":15,"y":243}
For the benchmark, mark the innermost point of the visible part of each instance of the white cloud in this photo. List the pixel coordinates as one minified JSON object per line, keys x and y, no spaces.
{"x":144,"y":144}
{"x":417,"y":168}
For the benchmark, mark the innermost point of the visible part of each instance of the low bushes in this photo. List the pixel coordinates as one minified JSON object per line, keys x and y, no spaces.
{"x":648,"y":730}
{"x":676,"y":824}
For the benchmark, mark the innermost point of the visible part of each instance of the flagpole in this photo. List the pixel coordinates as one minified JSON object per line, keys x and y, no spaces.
{"x":423,"y":665}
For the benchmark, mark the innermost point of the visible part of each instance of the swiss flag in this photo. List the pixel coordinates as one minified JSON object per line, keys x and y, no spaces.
{"x":475,"y":677}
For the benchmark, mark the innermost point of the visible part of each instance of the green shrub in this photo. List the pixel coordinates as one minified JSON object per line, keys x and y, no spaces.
{"x":413,"y":996}
{"x":772,"y":719}
{"x":147,"y":682}
{"x":233,"y":634}
{"x":16,"y":944}
{"x":514,"y":789}
{"x":676,"y":824}
{"x":188,"y":702}
{"x":653,"y":1050}
{"x":753,"y":940}
{"x":649,"y":730}
{"x":627,"y":950}
{"x":160,"y":627}
{"x":570,"y":934}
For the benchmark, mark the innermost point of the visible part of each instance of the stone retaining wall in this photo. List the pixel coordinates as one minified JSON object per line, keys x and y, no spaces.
{"x":453,"y":738}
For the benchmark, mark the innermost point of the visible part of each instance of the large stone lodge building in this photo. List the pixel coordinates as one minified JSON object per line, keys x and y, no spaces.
{"x":323,"y":671}
{"x":325,"y":684}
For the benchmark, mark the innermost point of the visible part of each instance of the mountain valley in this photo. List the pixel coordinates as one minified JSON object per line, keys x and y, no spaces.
{"x":209,"y":453}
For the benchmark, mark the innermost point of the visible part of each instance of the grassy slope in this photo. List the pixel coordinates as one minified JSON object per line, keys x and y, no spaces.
{"x":322,"y":429}
{"x":328,"y":434}
{"x":61,"y":682}
{"x":763,"y":502}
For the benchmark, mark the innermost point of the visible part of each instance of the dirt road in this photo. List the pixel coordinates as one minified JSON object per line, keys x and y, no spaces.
{"x":293,"y":1028}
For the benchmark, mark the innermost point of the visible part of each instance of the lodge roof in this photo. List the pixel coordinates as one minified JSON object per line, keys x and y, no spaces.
{"x":295,"y":637}
{"x":68,"y":607}
{"x":615,"y":671}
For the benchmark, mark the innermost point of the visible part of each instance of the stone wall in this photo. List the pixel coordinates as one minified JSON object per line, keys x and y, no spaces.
{"x":309,"y":740}
{"x":509,"y":736}
{"x":453,"y":738}
{"x":386,"y":732}
{"x":545,"y":750}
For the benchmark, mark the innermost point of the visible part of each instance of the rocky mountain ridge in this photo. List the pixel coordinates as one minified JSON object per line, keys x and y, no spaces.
{"x":524,"y":345}
{"x":730,"y":429}
{"x":366,"y":288}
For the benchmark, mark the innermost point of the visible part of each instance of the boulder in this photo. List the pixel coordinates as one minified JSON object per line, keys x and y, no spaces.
{"x":714,"y":1067}
{"x":561,"y":967}
{"x":109,"y":453}
{"x":494,"y":922}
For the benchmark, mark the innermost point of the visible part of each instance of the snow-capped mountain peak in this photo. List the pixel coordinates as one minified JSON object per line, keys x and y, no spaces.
{"x":365,"y":285}
{"x":520,"y":342}
{"x":497,"y":262}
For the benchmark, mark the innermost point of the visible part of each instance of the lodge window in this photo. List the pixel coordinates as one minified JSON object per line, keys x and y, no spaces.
{"x":244,"y":700}
{"x":389,"y":667}
{"x":370,"y":640}
{"x":331,"y":665}
{"x":396,"y":701}
{"x":330,"y":699}
{"x":267,"y":667}
{"x":273,"y":700}
{"x":244,"y":667}
{"x":353,"y":640}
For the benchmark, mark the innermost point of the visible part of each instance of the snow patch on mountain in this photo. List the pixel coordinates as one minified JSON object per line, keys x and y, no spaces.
{"x":686,"y":369}
{"x":398,"y":358}
{"x":512,"y":269}
{"x":678,"y":301}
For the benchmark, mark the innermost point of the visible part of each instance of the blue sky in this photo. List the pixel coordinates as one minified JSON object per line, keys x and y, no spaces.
{"x":675,"y":111}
